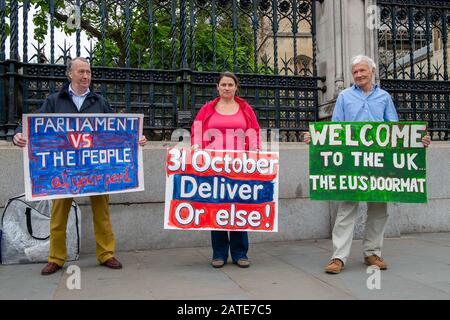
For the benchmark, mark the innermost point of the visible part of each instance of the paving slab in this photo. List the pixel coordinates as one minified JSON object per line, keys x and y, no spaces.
{"x":419,"y":268}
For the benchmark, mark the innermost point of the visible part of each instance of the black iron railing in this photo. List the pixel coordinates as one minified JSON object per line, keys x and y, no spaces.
{"x":161,"y":58}
{"x":414,"y":50}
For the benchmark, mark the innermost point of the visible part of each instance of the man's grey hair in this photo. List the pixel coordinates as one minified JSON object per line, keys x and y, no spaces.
{"x":360,"y":58}
{"x":71,"y":61}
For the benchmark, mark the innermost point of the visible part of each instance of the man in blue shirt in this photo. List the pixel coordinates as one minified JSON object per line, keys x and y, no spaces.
{"x":363,"y":101}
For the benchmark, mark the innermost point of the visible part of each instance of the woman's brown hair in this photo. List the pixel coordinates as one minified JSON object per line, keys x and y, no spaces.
{"x":229,"y":75}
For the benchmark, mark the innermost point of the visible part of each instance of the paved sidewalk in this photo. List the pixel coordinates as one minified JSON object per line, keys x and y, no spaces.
{"x":419,"y":269}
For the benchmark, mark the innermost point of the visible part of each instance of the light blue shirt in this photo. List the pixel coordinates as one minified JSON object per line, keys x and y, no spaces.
{"x":353,"y":105}
{"x":78,"y":100}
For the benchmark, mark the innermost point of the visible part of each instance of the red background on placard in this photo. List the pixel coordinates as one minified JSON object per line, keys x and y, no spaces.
{"x":208,"y":219}
{"x":234,"y":175}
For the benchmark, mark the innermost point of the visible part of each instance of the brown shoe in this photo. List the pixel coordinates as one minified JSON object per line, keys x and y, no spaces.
{"x":334,"y":266}
{"x":218,"y":263}
{"x":375,"y":260}
{"x":50,"y":268}
{"x":243,"y":263}
{"x":112,"y":263}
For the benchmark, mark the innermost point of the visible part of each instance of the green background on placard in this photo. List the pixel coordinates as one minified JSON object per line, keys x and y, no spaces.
{"x":316,"y":165}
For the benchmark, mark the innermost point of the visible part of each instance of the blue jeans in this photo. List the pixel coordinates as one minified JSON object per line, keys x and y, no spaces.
{"x":237,"y":243}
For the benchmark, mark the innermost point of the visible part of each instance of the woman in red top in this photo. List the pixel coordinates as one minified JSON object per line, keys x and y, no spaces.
{"x":217,"y":126}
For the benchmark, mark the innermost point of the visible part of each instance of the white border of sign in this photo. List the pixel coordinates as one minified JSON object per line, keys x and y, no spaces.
{"x":169,"y":193}
{"x":26,"y":164}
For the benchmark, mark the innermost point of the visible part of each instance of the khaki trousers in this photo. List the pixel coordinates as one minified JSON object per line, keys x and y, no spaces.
{"x":376,"y":222}
{"x":104,"y":236}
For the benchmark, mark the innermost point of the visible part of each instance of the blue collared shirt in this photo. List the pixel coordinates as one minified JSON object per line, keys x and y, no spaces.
{"x":353,"y":105}
{"x":78,"y":100}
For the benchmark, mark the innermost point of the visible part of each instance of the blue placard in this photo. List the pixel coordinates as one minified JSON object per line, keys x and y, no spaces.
{"x":69,"y":155}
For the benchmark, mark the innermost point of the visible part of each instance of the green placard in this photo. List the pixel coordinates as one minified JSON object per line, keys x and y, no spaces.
{"x":367,"y":161}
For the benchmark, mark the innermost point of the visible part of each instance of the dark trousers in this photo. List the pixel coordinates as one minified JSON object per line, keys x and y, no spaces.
{"x":236,"y":243}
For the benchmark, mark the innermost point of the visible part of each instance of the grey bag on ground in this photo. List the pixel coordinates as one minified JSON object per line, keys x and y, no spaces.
{"x":26,"y":231}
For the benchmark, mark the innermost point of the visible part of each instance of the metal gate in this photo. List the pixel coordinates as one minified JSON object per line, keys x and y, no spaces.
{"x":414,"y":60}
{"x":161,"y":58}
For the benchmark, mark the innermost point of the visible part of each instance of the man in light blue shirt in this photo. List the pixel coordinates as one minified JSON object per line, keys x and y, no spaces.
{"x":356,"y":104}
{"x":363,"y":101}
